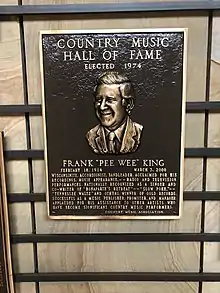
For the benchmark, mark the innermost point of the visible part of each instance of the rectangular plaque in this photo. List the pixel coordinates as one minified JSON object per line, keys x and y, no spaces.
{"x":113,"y":110}
{"x":6,"y":279}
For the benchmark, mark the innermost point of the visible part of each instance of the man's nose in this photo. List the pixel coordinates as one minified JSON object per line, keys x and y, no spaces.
{"x":103,"y":105}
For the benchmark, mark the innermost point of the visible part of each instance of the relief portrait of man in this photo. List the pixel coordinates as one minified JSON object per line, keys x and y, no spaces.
{"x":114,"y":101}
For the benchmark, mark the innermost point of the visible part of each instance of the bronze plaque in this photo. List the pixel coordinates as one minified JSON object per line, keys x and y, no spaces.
{"x":113,"y":110}
{"x":6,"y":279}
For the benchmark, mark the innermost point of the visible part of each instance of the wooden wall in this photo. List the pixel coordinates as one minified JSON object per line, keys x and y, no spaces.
{"x":134,"y":257}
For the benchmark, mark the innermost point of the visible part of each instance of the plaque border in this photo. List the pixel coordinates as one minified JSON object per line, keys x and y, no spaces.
{"x":183,"y":112}
{"x":5,"y":222}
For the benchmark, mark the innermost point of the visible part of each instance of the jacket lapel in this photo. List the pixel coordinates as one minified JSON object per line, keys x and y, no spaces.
{"x":129,"y":140}
{"x":101,"y":141}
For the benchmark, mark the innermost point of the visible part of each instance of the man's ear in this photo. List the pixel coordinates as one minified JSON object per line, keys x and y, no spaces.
{"x":128,"y":104}
{"x":124,"y":102}
{"x":126,"y":91}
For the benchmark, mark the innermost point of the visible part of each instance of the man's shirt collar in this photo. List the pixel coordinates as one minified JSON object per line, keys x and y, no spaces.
{"x":119,"y":132}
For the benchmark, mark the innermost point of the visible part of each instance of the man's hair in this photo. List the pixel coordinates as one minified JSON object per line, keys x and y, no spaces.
{"x":124,"y":84}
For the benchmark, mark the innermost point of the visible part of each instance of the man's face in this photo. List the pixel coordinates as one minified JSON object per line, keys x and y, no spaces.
{"x":108,"y":106}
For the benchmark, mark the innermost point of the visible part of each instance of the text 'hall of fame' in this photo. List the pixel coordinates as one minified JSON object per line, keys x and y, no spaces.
{"x":140,"y":48}
{"x":119,"y":100}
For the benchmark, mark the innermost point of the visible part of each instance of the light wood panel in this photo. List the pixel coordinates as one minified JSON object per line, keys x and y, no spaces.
{"x":212,"y":207}
{"x":211,"y":257}
{"x":116,"y":287}
{"x":10,"y":66}
{"x":39,"y":176}
{"x":23,"y":258}
{"x":212,"y":221}
{"x":216,"y":37}
{"x":215,"y":65}
{"x":211,"y":287}
{"x":36,"y":127}
{"x":214,"y":129}
{"x":104,"y":257}
{"x":9,"y":2}
{"x":14,"y":132}
{"x":215,"y":85}
{"x":25,"y":288}
{"x":194,"y":138}
{"x":20,"y":218}
{"x":193,"y":174}
{"x":17,"y":176}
